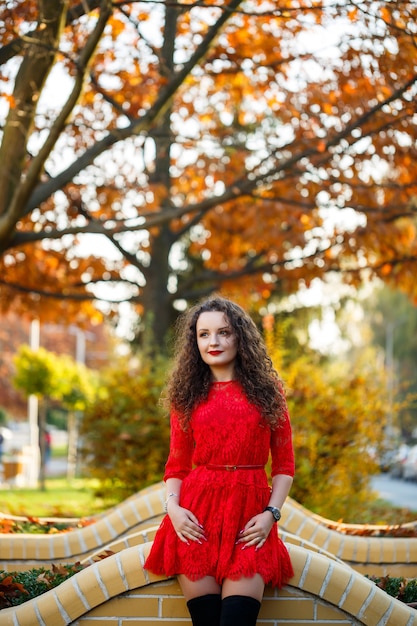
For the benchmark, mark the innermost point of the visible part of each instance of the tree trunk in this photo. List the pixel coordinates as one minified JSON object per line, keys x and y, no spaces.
{"x":42,"y":444}
{"x":72,"y":445}
{"x":38,"y":58}
{"x":156,"y":296}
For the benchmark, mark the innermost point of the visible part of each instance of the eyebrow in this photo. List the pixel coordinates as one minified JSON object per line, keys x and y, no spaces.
{"x":221,"y":328}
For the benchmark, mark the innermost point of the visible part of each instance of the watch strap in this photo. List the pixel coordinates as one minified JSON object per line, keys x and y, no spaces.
{"x":275,"y":512}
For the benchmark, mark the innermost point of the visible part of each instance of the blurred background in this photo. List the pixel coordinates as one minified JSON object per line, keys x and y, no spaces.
{"x":153,"y":154}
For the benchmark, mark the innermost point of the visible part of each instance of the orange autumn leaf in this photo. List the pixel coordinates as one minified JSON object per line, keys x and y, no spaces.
{"x":59,"y":569}
{"x":193,"y":157}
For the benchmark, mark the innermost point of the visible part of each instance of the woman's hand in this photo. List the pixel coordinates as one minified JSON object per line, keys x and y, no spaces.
{"x":185,"y":524}
{"x":256,"y":530}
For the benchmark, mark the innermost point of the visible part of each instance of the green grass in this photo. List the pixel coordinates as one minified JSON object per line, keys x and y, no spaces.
{"x":60,"y":499}
{"x":59,"y":452}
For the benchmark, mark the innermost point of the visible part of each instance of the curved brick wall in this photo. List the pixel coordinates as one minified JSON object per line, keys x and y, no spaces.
{"x":396,"y":556}
{"x":368,"y":555}
{"x":325,"y":590}
{"x":24,"y":551}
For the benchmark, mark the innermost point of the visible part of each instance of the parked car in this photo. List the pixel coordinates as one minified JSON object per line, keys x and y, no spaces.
{"x":397,"y":462}
{"x":386,"y":460}
{"x":410,"y":465}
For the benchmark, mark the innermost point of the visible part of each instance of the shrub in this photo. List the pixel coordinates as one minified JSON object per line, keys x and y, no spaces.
{"x":338,"y":410}
{"x":18,"y":587}
{"x":125,"y":431}
{"x":398,"y":587}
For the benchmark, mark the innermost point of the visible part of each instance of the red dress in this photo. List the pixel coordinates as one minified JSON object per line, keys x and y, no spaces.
{"x":225,"y":430}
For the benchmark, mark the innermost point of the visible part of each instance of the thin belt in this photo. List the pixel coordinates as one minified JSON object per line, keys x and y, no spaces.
{"x":233,"y":468}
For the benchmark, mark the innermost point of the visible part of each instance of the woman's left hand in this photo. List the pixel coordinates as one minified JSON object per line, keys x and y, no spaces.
{"x":256,"y":530}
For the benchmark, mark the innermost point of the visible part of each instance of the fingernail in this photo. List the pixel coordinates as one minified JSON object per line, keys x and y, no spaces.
{"x":244,"y":547}
{"x":236,"y":542}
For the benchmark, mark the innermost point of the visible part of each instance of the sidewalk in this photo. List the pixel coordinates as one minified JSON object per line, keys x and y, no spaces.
{"x":56,"y":467}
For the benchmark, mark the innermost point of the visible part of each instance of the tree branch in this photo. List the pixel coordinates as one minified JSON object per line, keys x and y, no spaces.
{"x":77,"y":297}
{"x":40,"y":54}
{"x":163,"y":101}
{"x":59,"y":124}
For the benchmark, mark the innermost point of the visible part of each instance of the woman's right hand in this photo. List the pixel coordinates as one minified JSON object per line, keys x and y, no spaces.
{"x":185,"y":524}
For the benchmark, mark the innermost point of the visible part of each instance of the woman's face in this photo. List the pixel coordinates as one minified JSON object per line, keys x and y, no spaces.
{"x":217,"y":342}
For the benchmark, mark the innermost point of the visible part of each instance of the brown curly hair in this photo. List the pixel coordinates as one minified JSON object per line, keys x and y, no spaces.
{"x":190,"y":379}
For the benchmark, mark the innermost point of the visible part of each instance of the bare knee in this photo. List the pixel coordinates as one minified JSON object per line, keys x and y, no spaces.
{"x":252,"y":587}
{"x":195,"y":588}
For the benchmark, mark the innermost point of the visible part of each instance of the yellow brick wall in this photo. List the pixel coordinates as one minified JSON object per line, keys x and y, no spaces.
{"x":328,"y":587}
{"x":135,"y":521}
{"x":118,"y":592}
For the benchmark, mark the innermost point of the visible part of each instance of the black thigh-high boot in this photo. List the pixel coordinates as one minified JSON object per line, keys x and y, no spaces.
{"x":205,"y":610}
{"x":239,"y":611}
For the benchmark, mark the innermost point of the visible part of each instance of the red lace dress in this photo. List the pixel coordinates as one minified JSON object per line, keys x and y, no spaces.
{"x":224,"y":430}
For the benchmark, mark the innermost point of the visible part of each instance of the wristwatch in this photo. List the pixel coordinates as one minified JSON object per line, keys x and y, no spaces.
{"x":275,"y":512}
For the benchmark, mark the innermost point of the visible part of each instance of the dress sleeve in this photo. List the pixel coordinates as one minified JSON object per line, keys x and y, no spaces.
{"x":181,"y":449}
{"x":282,"y":451}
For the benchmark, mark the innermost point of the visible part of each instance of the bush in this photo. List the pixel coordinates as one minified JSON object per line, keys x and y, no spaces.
{"x":125,"y":431}
{"x":338,"y":409}
{"x":401,"y":588}
{"x":18,"y":587}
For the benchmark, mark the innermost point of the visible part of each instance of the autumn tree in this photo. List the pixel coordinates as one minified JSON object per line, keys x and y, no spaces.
{"x":92,"y":345}
{"x":52,"y":377}
{"x":153,"y":152}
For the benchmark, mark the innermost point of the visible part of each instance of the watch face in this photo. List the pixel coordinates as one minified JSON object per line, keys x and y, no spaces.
{"x":277,"y":514}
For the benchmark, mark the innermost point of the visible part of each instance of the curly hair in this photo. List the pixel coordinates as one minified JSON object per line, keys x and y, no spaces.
{"x":190,"y":379}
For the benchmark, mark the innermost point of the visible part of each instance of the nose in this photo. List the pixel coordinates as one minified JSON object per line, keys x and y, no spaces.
{"x":213,"y":340}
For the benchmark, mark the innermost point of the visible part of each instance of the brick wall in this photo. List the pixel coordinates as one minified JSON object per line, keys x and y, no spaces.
{"x":328,"y":588}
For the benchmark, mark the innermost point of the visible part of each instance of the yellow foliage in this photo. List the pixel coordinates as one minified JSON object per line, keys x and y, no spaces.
{"x":338,"y":412}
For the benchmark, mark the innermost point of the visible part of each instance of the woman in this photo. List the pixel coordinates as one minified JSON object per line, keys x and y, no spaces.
{"x":228,"y":412}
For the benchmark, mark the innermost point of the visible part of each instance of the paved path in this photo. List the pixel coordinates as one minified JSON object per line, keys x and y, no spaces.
{"x":401,"y":493}
{"x":57,"y":467}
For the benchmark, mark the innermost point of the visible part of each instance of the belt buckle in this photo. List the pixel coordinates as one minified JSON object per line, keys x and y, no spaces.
{"x":231,"y":468}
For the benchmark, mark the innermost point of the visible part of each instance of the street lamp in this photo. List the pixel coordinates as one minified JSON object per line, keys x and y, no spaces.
{"x":33,"y":409}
